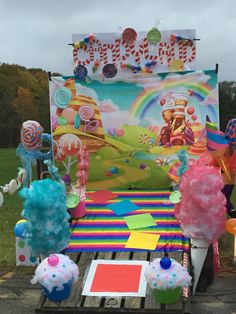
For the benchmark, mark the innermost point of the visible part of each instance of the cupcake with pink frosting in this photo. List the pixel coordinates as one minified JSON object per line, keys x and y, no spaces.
{"x":56,"y":274}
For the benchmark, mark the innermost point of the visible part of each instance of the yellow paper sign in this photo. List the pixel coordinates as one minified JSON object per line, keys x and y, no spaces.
{"x":140,"y":240}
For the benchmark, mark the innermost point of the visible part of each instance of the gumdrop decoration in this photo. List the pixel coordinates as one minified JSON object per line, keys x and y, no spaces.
{"x":154,"y":36}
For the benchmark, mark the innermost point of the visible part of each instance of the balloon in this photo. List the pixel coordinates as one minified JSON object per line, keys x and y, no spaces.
{"x":165,"y":262}
{"x":20,"y":228}
{"x":230,"y":226}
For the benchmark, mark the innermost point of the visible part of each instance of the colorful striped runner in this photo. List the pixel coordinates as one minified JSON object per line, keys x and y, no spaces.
{"x":102,"y":230}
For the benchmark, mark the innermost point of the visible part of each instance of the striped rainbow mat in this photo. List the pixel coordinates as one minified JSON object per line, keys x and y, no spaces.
{"x":102,"y":230}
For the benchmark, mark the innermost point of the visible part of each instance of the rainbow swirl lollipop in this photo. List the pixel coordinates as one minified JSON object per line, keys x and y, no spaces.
{"x":86,"y":112}
{"x":31,"y":135}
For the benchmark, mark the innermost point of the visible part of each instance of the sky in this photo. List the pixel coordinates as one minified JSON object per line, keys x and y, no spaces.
{"x":36,"y":33}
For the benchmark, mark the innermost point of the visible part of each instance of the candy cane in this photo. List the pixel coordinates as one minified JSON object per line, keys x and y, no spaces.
{"x":180,"y":43}
{"x":185,"y":55}
{"x":117,"y":47}
{"x":94,"y":49}
{"x":76,"y":59}
{"x":172,"y":50}
{"x":145,"y":48}
{"x":164,"y":50}
{"x":185,"y":292}
{"x":113,"y":50}
{"x":127,"y":51}
{"x":193,"y":56}
{"x":91,"y":51}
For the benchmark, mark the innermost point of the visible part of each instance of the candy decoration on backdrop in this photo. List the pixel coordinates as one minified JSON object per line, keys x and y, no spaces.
{"x":175,"y":37}
{"x":80,"y":72}
{"x":201,"y":188}
{"x":176,"y":65}
{"x":129,"y":35}
{"x":42,"y":208}
{"x":86,"y":112}
{"x":154,"y":36}
{"x":62,"y":96}
{"x":77,"y":121}
{"x":88,"y":39}
{"x":138,"y":68}
{"x":91,"y":126}
{"x":96,"y":65}
{"x":109,"y":70}
{"x":56,"y":274}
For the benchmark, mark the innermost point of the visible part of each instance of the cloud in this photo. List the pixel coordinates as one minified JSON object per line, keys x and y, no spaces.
{"x":117,"y":119}
{"x":80,"y":89}
{"x":107,"y":106}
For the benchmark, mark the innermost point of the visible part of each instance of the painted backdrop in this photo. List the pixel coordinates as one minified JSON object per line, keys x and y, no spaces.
{"x":132,"y":128}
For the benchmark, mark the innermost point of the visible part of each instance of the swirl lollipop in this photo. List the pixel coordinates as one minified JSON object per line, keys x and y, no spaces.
{"x":109,"y":70}
{"x":31,"y":135}
{"x":86,"y":112}
{"x":62,"y":97}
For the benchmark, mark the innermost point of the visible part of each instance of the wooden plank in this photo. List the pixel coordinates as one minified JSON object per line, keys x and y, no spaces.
{"x":178,"y":256}
{"x":135,"y":302}
{"x":115,"y":302}
{"x":75,"y":296}
{"x":96,"y":301}
{"x":150,"y":302}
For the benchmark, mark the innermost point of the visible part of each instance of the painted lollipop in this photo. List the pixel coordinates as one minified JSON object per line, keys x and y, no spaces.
{"x":129,"y":35}
{"x":86,"y":112}
{"x":109,"y":70}
{"x":31,"y":135}
{"x":62,"y":97}
{"x":70,"y":144}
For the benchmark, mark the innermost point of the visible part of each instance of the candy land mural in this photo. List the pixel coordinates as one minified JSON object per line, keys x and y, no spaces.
{"x":133,"y":128}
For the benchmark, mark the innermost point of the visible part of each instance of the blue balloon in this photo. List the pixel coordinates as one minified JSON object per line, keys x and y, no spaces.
{"x":20,"y":229}
{"x":165,"y":262}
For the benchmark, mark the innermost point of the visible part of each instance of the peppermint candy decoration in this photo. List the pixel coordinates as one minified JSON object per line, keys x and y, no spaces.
{"x":62,"y":97}
{"x":86,"y":112}
{"x":31,"y":135}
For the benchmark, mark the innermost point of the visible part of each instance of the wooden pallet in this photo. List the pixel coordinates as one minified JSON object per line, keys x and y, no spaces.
{"x":77,"y":303}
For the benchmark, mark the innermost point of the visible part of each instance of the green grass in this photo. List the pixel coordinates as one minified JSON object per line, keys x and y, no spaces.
{"x":10,"y":212}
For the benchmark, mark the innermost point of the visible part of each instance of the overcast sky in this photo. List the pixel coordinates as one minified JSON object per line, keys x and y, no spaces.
{"x":35,"y":33}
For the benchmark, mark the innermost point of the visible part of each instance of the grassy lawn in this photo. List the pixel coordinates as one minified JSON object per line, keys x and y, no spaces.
{"x":10,"y":213}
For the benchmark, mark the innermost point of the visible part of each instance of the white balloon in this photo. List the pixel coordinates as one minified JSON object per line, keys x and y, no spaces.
{"x":12,"y":187}
{"x":1,"y":199}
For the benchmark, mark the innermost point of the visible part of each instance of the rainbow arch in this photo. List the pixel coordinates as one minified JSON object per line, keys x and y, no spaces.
{"x":148,"y":98}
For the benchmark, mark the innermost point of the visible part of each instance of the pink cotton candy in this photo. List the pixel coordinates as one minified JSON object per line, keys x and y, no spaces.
{"x":201,"y":212}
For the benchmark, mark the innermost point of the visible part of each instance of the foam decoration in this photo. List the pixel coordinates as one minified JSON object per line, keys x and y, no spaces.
{"x":31,"y":135}
{"x":230,"y":133}
{"x":102,"y":196}
{"x":139,"y":221}
{"x":167,"y":278}
{"x":46,"y":211}
{"x":201,"y":212}
{"x":24,"y":254}
{"x":142,"y":241}
{"x":62,"y":97}
{"x":123,"y":207}
{"x":56,"y":271}
{"x":230,"y":226}
{"x":13,"y":186}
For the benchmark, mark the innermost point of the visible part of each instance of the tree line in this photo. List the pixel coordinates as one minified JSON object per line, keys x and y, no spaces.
{"x":24,"y":95}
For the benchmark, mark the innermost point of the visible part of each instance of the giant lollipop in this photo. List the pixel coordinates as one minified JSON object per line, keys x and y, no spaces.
{"x":31,"y":135}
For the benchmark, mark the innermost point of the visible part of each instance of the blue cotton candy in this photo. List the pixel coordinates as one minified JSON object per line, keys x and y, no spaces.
{"x":46,"y":211}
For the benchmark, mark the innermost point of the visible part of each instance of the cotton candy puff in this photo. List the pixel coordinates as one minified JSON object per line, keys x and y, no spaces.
{"x":46,"y":212}
{"x":171,"y":278}
{"x":60,"y":271}
{"x":201,"y":212}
